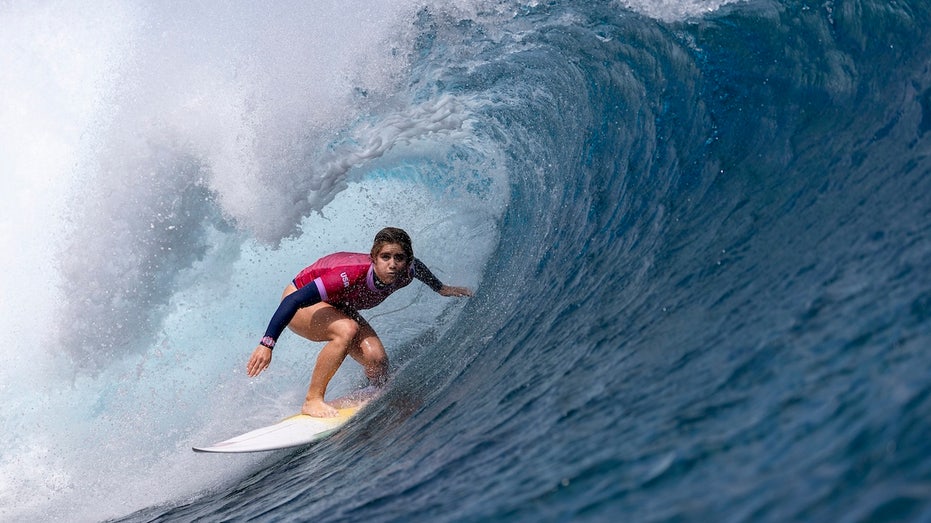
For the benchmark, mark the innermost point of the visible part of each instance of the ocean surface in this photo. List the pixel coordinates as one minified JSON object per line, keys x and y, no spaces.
{"x":699,"y":234}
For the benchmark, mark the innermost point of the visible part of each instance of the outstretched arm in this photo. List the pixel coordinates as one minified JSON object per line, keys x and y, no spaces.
{"x":262,"y":355}
{"x":422,"y":273}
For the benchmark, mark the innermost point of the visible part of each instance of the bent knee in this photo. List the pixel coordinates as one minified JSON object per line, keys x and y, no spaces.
{"x":344,"y":330}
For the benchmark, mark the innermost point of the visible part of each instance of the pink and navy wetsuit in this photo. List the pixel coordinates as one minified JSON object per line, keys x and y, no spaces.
{"x":345,"y":280}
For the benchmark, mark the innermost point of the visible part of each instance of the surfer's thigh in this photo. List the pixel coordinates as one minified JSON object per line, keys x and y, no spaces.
{"x":324,"y":322}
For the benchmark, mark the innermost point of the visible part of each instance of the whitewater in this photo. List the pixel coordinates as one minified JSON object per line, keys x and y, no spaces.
{"x":699,"y":233}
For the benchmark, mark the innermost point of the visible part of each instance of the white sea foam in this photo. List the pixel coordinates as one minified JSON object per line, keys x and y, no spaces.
{"x":676,"y":10}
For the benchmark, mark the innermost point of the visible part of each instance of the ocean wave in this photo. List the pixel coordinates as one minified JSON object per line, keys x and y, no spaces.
{"x":697,"y":231}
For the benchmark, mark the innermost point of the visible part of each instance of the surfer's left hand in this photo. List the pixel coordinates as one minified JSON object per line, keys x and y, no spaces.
{"x":456,"y":292}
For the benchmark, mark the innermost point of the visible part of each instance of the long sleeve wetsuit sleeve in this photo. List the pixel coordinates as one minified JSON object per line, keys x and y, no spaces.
{"x":304,"y":297}
{"x":422,"y":273}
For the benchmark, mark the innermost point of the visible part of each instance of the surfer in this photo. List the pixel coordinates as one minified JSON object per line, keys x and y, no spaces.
{"x":322,"y":304}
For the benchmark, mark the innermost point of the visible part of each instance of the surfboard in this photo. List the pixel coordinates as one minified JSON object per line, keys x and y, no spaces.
{"x":290,"y":432}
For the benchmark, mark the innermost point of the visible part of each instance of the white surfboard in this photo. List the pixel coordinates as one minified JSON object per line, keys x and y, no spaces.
{"x":289,"y":432}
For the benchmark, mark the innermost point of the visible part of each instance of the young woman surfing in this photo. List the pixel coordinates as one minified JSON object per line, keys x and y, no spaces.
{"x":322,"y":304}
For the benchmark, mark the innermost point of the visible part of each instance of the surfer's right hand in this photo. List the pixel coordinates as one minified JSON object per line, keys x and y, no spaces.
{"x":261,"y":358}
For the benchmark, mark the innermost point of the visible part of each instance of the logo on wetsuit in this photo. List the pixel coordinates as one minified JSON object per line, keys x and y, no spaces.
{"x":345,"y":279}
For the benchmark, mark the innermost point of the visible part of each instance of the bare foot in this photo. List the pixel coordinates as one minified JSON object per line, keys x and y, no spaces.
{"x":318,"y":409}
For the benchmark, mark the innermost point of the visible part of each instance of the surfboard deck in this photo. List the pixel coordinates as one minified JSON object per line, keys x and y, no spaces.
{"x":292,"y":431}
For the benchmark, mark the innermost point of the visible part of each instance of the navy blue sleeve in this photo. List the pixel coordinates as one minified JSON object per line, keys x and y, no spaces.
{"x":304,"y":297}
{"x":422,"y":273}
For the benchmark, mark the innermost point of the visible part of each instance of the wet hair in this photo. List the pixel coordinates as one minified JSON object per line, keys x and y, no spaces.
{"x":393,"y":235}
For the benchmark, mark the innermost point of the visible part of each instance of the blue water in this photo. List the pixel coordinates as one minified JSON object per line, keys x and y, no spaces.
{"x":700,"y":238}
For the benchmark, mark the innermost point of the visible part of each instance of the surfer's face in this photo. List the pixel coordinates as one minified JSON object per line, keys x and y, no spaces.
{"x":390,"y":261}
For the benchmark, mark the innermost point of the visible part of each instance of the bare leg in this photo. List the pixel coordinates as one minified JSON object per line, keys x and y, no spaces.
{"x":328,"y":362}
{"x":344,"y":335}
{"x":368,"y":350}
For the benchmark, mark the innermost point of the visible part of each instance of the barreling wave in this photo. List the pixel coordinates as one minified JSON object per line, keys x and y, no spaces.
{"x":699,"y":239}
{"x":710,"y":249}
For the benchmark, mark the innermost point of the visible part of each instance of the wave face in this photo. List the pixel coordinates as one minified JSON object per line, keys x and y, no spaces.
{"x":699,"y":234}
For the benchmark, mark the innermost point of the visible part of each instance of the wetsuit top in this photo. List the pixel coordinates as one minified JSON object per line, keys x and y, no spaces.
{"x":347,"y":281}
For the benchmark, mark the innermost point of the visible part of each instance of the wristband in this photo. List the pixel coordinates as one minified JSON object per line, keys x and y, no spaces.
{"x":269,"y":342}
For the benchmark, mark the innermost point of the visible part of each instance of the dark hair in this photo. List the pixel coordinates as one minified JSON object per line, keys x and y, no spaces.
{"x":393,"y":235}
